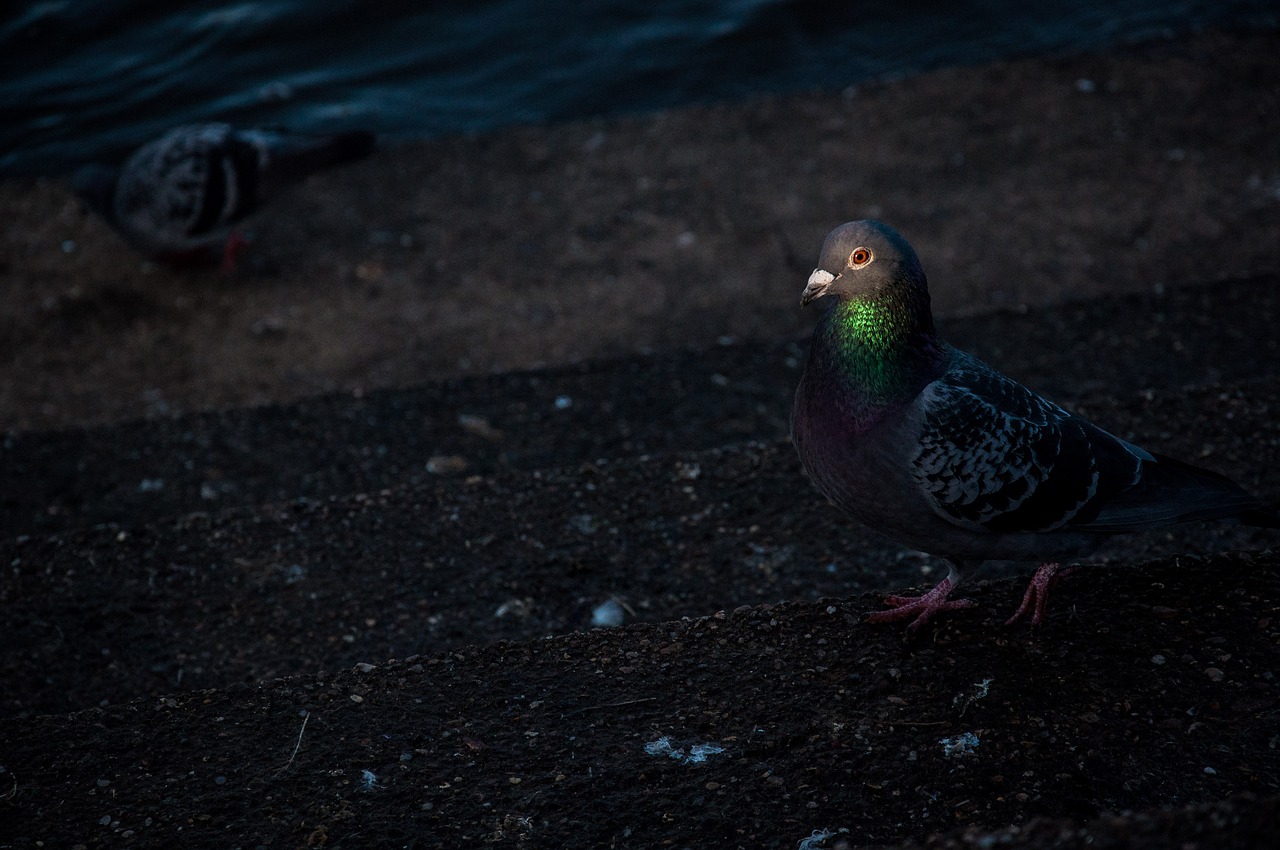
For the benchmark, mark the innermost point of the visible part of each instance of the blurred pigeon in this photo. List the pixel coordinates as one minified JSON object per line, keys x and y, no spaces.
{"x":179,"y":197}
{"x":936,"y":449}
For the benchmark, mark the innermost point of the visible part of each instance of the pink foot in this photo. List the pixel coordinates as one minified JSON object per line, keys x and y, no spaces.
{"x":236,"y":243}
{"x":922,"y":608}
{"x":1037,"y":595}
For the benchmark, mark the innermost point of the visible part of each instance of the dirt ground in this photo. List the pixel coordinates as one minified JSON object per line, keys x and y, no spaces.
{"x":292,"y":558}
{"x":1019,"y":183}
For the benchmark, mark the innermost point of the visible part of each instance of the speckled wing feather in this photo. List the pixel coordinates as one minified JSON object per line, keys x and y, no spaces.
{"x":189,"y":185}
{"x":995,"y":456}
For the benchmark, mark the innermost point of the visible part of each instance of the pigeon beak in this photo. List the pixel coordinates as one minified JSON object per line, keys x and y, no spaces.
{"x":817,"y":286}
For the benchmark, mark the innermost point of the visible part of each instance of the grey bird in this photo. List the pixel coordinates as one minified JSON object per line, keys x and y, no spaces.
{"x":179,"y":198}
{"x":936,"y":449}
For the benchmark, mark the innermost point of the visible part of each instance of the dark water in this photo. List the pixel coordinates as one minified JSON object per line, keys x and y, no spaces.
{"x":84,"y":80}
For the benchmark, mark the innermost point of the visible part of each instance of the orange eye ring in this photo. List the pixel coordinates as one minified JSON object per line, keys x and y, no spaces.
{"x":860,"y":257}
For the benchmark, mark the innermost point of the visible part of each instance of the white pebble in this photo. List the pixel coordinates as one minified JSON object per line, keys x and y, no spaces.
{"x":607,"y":614}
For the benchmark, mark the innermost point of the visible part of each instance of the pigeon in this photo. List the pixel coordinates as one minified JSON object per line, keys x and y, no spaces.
{"x":936,"y":449}
{"x":179,"y":197}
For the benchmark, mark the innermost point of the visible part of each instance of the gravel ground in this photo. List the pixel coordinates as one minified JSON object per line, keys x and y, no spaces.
{"x":364,"y":618}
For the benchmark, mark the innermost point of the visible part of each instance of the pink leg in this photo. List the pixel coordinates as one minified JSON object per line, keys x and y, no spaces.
{"x":922,"y":608}
{"x":1037,"y":595}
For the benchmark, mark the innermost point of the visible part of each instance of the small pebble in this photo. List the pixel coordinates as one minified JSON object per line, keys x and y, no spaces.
{"x":446,"y":464}
{"x":607,"y":614}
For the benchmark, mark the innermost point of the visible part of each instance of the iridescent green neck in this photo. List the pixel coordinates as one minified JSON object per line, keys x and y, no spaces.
{"x":883,"y":348}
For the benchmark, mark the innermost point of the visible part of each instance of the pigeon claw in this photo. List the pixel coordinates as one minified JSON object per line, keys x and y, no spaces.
{"x":1037,"y":595}
{"x":920,"y":609}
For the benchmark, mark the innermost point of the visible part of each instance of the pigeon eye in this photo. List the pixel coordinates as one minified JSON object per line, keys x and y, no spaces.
{"x":860,"y":257}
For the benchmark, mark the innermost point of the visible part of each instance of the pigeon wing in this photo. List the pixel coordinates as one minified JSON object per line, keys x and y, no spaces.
{"x":187,"y":186}
{"x":994,"y":456}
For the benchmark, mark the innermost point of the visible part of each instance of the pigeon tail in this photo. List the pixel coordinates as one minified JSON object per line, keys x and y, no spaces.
{"x":1170,"y":491}
{"x":294,"y":157}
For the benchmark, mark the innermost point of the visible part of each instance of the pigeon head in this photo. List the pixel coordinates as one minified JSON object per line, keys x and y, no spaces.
{"x":867,"y":260}
{"x":876,"y":339}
